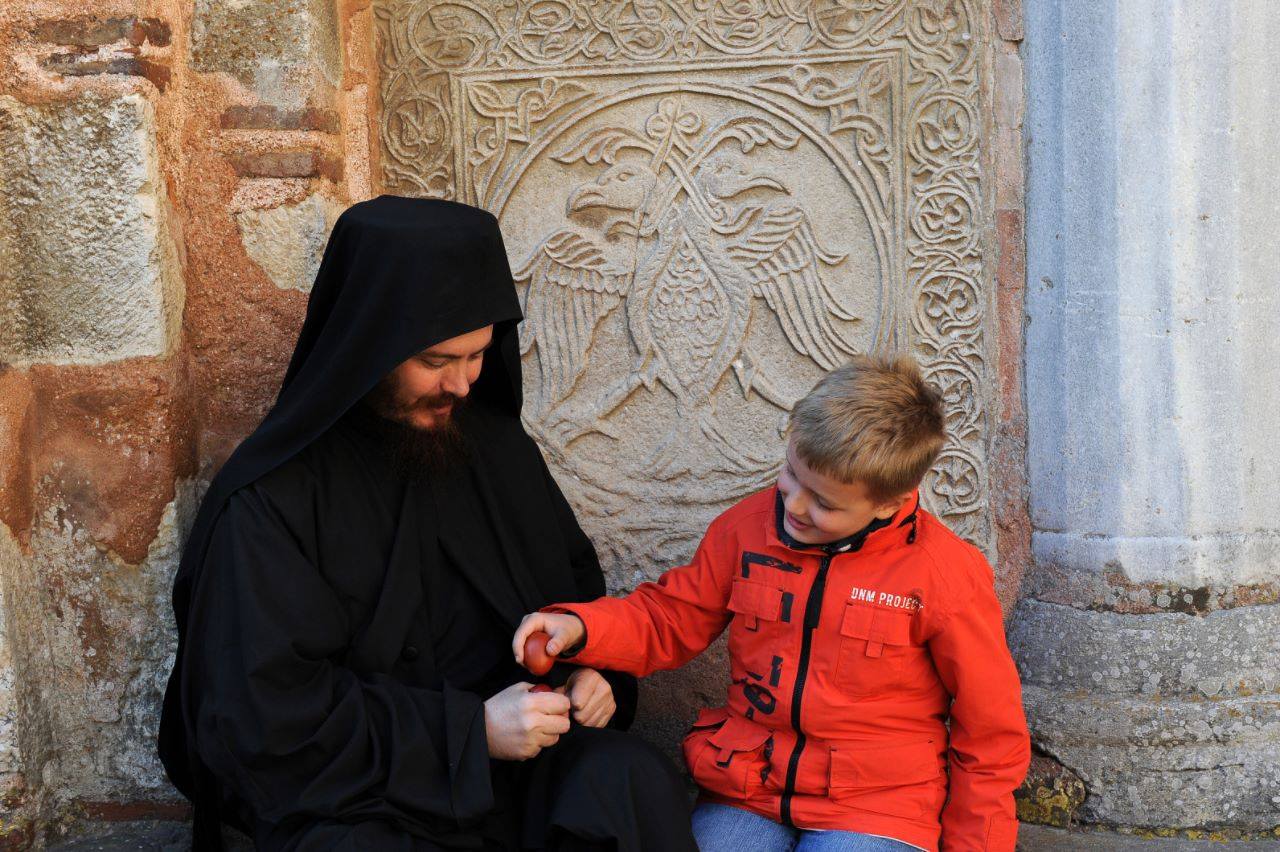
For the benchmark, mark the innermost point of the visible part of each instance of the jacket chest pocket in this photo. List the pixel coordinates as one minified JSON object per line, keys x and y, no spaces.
{"x":875,"y":645}
{"x":754,"y":603}
{"x":761,"y":623}
{"x":761,"y":637}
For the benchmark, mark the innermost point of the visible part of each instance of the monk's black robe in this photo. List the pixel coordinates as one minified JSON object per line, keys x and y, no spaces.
{"x":339,"y":626}
{"x":351,"y":622}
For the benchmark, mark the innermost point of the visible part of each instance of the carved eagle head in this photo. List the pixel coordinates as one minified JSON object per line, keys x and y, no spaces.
{"x":724,"y":176}
{"x":624,"y":187}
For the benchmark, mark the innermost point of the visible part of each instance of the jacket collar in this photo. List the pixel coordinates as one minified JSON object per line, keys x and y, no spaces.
{"x":906,"y":516}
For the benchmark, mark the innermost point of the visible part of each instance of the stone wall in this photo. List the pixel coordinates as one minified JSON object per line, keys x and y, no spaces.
{"x":169,"y":172}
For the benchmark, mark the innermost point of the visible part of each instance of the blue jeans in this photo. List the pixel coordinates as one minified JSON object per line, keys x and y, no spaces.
{"x":722,"y":828}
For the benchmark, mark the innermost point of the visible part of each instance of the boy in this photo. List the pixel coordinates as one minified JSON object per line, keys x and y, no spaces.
{"x":859,"y":629}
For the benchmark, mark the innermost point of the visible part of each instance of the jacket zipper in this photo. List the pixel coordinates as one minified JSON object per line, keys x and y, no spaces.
{"x":812,"y":612}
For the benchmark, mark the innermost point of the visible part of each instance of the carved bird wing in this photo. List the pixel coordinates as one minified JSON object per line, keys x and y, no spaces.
{"x":780,"y":254}
{"x":571,"y":288}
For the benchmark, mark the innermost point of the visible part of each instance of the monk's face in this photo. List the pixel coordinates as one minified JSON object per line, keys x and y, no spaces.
{"x":423,"y":391}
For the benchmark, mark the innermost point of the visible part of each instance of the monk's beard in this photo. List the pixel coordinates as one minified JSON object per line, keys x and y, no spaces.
{"x":418,"y":452}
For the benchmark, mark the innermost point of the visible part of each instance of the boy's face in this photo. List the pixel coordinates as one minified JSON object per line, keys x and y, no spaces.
{"x":819,"y":509}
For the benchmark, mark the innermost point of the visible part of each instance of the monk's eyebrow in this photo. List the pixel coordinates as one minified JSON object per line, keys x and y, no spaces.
{"x":444,"y":357}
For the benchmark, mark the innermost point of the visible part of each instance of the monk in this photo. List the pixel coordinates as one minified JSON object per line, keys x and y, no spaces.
{"x":345,"y":600}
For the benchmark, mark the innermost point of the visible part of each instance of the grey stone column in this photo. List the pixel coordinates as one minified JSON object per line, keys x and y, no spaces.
{"x":1149,"y":635}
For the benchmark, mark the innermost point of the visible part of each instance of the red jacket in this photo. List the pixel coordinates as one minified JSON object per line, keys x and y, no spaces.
{"x":847,"y":662}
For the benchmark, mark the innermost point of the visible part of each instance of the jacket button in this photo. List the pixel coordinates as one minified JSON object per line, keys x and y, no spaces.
{"x":409,"y":653}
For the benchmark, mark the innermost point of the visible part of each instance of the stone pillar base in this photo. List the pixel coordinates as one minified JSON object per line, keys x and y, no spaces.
{"x":1169,"y":719}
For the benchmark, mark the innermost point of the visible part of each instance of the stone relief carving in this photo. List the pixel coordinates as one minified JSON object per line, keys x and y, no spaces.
{"x":707,"y":203}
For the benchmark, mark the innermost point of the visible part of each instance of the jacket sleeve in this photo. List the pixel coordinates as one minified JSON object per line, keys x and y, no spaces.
{"x":990,"y":748}
{"x":589,"y":581}
{"x":663,"y":624}
{"x":284,"y":724}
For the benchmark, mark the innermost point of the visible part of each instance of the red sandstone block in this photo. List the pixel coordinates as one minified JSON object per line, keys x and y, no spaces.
{"x":274,"y":118}
{"x":129,"y":811}
{"x":157,"y":31}
{"x":111,"y":442}
{"x":286,"y":164}
{"x":90,"y":32}
{"x":16,"y":428}
{"x":1008,"y":15}
{"x":1011,"y":272}
{"x":74,"y":65}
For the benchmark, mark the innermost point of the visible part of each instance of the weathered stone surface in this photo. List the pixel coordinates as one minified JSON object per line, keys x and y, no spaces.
{"x":1008,"y":14}
{"x":105,"y":449}
{"x":1225,"y":653}
{"x":87,"y":270}
{"x":1110,"y":590}
{"x":1008,"y":457}
{"x":1179,"y":763}
{"x":1153,"y":320}
{"x":9,"y":757}
{"x":278,"y":49}
{"x":93,"y":642}
{"x":17,"y":423}
{"x":90,"y":536}
{"x":141,"y":836}
{"x":1170,"y":719}
{"x":1035,"y":838}
{"x":288,"y":241}
{"x":706,"y":206}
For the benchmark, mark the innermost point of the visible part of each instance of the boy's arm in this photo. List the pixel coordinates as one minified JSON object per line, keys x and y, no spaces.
{"x":589,"y":582}
{"x":663,"y":624}
{"x":990,"y":747}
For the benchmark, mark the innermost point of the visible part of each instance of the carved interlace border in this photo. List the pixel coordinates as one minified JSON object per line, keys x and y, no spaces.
{"x":423,"y":45}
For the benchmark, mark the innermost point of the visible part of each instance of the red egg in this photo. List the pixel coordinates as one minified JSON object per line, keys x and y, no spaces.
{"x":536,"y":659}
{"x":541,"y":687}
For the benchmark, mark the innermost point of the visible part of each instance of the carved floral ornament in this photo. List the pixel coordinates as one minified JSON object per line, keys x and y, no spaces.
{"x":707,"y":204}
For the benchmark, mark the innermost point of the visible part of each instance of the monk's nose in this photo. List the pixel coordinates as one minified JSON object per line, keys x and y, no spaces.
{"x":455,"y":381}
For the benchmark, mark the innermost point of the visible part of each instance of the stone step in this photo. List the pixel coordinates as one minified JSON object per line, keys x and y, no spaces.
{"x":167,"y":836}
{"x":1039,"y":838}
{"x":141,"y":836}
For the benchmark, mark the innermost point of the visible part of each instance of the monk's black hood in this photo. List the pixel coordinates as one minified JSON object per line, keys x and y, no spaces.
{"x":398,"y":275}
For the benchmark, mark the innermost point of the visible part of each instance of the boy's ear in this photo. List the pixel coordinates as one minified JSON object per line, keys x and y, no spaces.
{"x":890,"y":507}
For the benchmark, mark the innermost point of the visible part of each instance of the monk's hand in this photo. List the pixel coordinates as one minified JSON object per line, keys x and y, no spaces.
{"x":520,"y":723}
{"x":591,"y":697}
{"x":565,"y":631}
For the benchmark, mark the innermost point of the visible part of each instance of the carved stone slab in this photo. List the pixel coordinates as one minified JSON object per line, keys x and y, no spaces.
{"x":707,"y":203}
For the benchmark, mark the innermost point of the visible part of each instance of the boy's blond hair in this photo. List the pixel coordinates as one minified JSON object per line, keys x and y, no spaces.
{"x":873,"y":421}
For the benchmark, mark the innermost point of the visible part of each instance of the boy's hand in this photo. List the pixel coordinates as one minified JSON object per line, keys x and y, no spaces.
{"x":520,"y":723}
{"x":591,"y":697}
{"x":565,"y":632}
